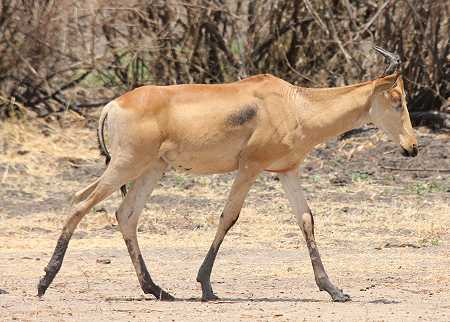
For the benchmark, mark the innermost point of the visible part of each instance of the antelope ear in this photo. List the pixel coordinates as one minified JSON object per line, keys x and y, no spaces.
{"x":386,"y":83}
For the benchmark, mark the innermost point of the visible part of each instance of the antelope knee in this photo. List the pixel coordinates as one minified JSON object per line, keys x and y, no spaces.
{"x":308,"y":224}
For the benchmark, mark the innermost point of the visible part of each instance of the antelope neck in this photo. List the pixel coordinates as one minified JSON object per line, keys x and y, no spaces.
{"x":327,"y":112}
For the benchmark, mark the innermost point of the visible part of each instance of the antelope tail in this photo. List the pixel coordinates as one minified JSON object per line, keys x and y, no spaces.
{"x":101,"y":142}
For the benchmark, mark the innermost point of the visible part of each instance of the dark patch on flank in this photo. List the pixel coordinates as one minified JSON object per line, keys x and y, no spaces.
{"x":244,"y":115}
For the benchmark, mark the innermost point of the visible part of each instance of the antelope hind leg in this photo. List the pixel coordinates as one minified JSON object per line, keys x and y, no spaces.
{"x":128,"y":217}
{"x":79,"y":211}
{"x":110,"y":181}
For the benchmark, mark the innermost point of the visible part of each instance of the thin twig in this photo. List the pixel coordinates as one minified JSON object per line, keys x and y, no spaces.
{"x":415,"y":169}
{"x":375,"y":16}
{"x":288,"y":64}
{"x":5,"y":174}
{"x":316,"y":16}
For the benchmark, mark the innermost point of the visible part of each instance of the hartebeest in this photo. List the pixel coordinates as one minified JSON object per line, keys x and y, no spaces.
{"x":261,"y":123}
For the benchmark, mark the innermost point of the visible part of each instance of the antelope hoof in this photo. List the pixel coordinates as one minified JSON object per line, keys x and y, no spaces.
{"x":209,"y":297}
{"x":42,"y":287}
{"x":41,"y":291}
{"x":207,"y":292}
{"x":341,"y":297}
{"x":164,"y":296}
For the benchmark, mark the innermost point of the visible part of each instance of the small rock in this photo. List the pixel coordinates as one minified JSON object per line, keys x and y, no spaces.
{"x":103,"y":261}
{"x":340,"y":181}
{"x":188,"y":185}
{"x":3,"y":291}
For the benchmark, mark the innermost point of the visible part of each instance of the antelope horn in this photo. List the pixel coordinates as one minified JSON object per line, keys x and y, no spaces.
{"x":393,"y":59}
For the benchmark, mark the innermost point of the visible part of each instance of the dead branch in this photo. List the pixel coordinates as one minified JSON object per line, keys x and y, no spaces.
{"x":70,"y":54}
{"x":415,"y":169}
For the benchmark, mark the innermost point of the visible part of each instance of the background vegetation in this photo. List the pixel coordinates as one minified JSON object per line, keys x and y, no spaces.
{"x":67,"y":54}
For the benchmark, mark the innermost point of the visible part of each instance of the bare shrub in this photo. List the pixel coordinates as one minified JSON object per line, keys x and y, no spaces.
{"x":64,"y":54}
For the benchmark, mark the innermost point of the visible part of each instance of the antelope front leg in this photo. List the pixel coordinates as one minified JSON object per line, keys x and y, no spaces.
{"x":295,"y":195}
{"x":244,"y":179}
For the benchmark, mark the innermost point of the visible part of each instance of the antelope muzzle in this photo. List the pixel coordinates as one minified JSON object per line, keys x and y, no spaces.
{"x":411,"y":152}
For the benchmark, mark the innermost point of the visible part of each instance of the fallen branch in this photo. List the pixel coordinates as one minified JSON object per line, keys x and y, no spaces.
{"x":397,"y":245}
{"x":415,"y":169}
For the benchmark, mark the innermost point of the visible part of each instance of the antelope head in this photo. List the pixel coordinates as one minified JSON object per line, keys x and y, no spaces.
{"x":388,"y":110}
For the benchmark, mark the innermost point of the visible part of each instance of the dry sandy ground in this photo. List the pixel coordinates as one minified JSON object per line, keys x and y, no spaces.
{"x":384,"y":236}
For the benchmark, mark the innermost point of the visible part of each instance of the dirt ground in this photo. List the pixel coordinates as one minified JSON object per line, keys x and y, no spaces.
{"x":383,"y":231}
